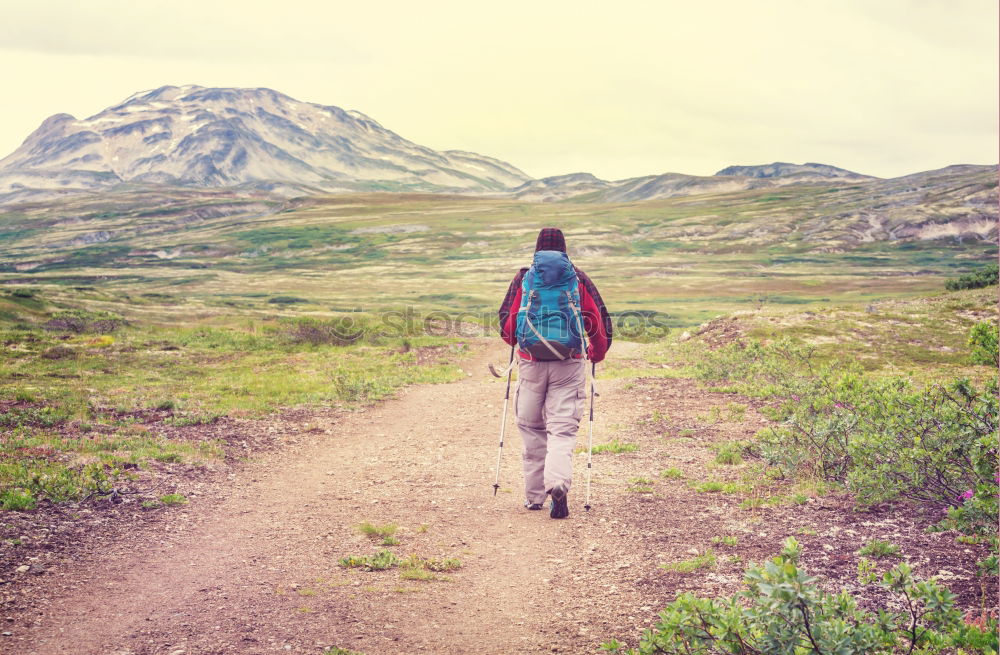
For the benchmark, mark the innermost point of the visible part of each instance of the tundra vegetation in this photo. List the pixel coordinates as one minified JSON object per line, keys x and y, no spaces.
{"x":884,"y":422}
{"x":879,"y":381}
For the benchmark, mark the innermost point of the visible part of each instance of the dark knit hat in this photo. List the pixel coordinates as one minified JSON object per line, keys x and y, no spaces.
{"x":551,"y":238}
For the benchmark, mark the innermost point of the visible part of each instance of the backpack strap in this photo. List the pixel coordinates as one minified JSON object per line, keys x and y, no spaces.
{"x":579,"y":322}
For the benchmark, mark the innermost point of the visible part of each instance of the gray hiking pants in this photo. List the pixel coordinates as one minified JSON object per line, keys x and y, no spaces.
{"x":548,"y":405}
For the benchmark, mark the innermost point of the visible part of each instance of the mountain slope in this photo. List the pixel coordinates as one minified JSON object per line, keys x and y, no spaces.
{"x":670,"y":185}
{"x":560,"y":187}
{"x":784,"y":169}
{"x":210,"y":137}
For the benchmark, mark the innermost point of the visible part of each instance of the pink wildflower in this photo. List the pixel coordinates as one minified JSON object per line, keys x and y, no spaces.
{"x":838,"y":405}
{"x":967,"y":495}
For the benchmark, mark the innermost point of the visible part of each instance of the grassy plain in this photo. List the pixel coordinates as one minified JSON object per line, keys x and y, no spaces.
{"x":690,"y":258}
{"x":223,"y":305}
{"x":90,"y":399}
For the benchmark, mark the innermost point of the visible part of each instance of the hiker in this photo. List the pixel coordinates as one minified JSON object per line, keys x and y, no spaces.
{"x":541,"y":313}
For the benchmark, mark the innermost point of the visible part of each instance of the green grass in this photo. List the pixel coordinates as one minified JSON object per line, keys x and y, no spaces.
{"x":640,"y":485}
{"x":324,"y":250}
{"x":380,"y":561}
{"x":614,"y":447}
{"x":173,"y":499}
{"x":427,"y":569}
{"x":878,"y":549}
{"x":730,"y":453}
{"x":375,"y":531}
{"x":704,"y":560}
{"x":412,"y":567}
{"x":716,"y":486}
{"x":413,"y":573}
{"x":82,"y":409}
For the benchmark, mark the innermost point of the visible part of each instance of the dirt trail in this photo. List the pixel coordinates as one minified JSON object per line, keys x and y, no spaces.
{"x":257,"y":572}
{"x":251,"y":566}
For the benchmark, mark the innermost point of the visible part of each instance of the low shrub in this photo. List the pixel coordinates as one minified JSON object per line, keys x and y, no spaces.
{"x":79,"y":321}
{"x":286,"y":300}
{"x":314,"y":331}
{"x":884,"y":437}
{"x":984,"y":277}
{"x":17,"y":500}
{"x":983,"y":339}
{"x":784,"y":612}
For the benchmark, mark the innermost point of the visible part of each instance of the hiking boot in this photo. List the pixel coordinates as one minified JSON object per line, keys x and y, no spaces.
{"x":560,"y":509}
{"x":532,"y":506}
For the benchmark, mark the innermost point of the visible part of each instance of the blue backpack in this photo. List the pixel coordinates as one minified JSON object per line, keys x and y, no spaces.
{"x":549,"y":324}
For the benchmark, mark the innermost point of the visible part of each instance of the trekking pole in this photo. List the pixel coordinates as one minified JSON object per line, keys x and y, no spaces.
{"x":590,"y":435}
{"x":503,"y":421}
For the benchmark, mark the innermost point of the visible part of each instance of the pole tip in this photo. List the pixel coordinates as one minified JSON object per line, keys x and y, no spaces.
{"x":496,"y":488}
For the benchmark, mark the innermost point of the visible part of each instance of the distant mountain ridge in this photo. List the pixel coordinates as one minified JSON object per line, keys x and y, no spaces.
{"x":784,"y":169}
{"x":215,"y":137}
{"x":669,"y":185}
{"x":262,"y":140}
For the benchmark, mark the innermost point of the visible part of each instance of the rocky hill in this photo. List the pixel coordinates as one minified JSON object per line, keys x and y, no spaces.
{"x":780,"y":169}
{"x":222,"y":137}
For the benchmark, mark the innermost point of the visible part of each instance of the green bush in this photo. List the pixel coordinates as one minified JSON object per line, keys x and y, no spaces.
{"x":984,"y":277}
{"x":784,"y":612}
{"x":29,"y":480}
{"x":983,"y":339}
{"x":885,"y":437}
{"x":286,"y":300}
{"x":17,"y":500}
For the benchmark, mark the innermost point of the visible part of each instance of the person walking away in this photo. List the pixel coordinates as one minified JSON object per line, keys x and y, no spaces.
{"x":555,"y":315}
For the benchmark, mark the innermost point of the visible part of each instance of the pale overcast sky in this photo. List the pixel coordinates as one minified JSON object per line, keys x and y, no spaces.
{"x":619,"y":89}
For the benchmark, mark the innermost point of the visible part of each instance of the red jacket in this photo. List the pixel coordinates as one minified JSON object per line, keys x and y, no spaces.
{"x":596,"y":320}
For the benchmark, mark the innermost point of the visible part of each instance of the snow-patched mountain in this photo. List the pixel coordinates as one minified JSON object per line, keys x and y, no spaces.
{"x":213,"y":137}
